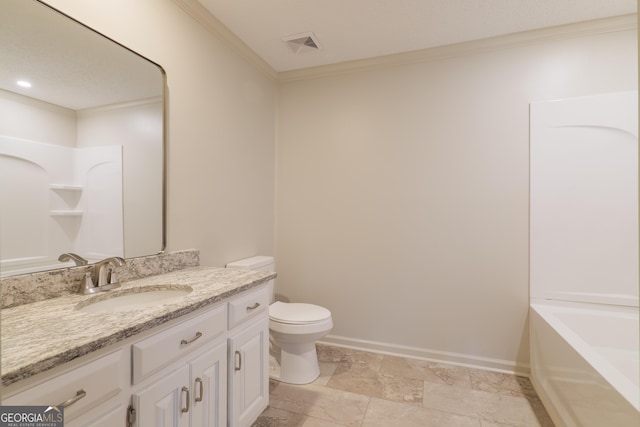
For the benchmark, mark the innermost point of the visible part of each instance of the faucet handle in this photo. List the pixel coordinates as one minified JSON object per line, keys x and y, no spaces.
{"x":104,"y":271}
{"x":112,"y":277}
{"x":87,"y":286}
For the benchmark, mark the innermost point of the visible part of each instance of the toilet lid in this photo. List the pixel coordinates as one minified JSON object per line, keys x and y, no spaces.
{"x":297,"y":313}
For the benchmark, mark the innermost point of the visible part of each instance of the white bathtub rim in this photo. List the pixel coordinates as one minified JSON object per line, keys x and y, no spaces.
{"x":623,"y":300}
{"x":602,"y":366}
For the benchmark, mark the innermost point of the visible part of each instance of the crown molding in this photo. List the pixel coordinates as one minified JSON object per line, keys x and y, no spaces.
{"x":521,"y":39}
{"x":198,"y":12}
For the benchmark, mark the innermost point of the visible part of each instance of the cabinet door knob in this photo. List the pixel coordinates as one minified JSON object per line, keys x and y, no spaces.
{"x":253,"y":307}
{"x":239,"y":358}
{"x":185,"y":389}
{"x":199,"y":398}
{"x":192,"y":339}
{"x":79,"y":395}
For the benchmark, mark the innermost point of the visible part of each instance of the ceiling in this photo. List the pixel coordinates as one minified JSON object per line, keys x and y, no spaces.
{"x":357,"y":29}
{"x":66,"y":63}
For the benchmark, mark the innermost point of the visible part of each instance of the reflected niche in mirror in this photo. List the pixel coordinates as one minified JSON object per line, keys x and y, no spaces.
{"x":81,"y":143}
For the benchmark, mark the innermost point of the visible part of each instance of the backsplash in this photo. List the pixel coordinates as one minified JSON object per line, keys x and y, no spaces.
{"x":28,"y":288}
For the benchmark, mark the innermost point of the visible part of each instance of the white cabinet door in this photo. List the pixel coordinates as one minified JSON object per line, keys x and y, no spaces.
{"x":166,"y":402}
{"x":209,"y":385}
{"x":248,"y":373}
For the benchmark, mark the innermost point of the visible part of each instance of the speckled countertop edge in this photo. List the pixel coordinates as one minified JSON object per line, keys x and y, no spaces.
{"x":39,"y":336}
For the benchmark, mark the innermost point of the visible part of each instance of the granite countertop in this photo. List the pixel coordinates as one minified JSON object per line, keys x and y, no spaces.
{"x":38,"y":336}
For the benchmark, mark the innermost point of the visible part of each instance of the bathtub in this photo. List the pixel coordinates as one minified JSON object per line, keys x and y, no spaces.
{"x":584,"y":363}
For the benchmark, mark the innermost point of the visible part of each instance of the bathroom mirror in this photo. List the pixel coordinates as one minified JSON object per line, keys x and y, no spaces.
{"x":81,"y":143}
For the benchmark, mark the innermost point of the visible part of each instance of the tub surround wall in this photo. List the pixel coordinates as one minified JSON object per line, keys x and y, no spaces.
{"x":584,"y":259}
{"x":584,"y":199}
{"x":28,"y":288}
{"x":69,"y":200}
{"x":130,"y":128}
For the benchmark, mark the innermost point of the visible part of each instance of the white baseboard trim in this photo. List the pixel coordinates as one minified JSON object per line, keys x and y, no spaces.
{"x":459,"y":359}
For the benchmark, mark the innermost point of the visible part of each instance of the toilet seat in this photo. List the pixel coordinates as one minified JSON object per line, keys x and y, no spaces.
{"x":297,"y":313}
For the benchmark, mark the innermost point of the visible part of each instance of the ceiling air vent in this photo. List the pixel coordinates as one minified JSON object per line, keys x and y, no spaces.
{"x":300,"y":43}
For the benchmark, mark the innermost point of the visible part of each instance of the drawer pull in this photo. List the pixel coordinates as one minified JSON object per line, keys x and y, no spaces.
{"x":190,"y":340}
{"x":199,"y":398}
{"x":239,"y":358}
{"x":79,"y":395}
{"x":185,"y":389}
{"x":253,"y":307}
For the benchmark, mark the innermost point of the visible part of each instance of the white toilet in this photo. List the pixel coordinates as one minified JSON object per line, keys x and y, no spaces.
{"x":294,"y":329}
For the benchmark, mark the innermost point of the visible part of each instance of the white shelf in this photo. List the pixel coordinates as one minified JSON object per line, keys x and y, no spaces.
{"x":61,"y":212}
{"x":67,"y":187}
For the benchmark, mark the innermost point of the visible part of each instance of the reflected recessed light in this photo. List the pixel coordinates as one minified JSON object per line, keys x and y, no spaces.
{"x":23,"y":83}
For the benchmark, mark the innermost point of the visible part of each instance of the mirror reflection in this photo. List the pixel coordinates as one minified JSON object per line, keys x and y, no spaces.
{"x":81,"y":143}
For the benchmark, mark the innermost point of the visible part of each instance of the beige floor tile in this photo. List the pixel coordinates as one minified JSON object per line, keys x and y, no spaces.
{"x":356,"y":371}
{"x":383,"y":413}
{"x":316,"y":422}
{"x":426,"y":371}
{"x":360,"y":363}
{"x":495,"y":407}
{"x":485,"y":423}
{"x":324,"y":403}
{"x":401,"y":389}
{"x":327,"y":353}
{"x":363,"y":383}
{"x":274,"y":417}
{"x":361,"y":388}
{"x":326,"y":371}
{"x":375,"y":384}
{"x":353,"y":359}
{"x":497,"y":382}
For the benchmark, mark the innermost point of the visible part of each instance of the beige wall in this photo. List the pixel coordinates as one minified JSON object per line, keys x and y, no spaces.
{"x":221,"y":127}
{"x":402,"y":192}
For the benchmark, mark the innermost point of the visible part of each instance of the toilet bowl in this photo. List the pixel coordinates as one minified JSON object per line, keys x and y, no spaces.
{"x":293,"y":329}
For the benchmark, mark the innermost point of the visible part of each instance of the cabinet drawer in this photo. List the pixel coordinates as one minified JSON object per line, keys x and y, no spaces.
{"x":91,"y":384}
{"x":157,"y":351}
{"x":248,"y":306}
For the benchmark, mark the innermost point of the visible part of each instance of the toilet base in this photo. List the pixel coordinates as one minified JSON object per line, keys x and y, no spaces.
{"x":298,"y":364}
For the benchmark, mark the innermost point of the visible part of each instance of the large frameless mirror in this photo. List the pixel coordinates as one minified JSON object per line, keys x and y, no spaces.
{"x":81,"y":143}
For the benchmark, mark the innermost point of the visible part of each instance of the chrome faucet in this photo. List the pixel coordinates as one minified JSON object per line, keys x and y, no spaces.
{"x":103,"y":271}
{"x":102,"y":277}
{"x":70,"y":256}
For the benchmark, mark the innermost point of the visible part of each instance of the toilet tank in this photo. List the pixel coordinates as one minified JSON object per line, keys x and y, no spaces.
{"x":258,"y":263}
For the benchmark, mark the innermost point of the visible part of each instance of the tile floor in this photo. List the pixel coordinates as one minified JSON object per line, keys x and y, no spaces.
{"x":357,"y":388}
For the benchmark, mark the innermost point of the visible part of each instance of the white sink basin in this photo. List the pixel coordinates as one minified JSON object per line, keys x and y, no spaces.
{"x":133,"y":299}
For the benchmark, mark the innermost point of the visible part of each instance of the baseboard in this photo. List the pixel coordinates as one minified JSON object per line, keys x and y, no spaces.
{"x":459,"y":359}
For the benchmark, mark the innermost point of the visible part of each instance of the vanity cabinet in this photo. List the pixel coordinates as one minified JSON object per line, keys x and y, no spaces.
{"x":158,"y":351}
{"x":248,"y":373}
{"x":166,"y":402}
{"x":206,"y":369}
{"x":209,"y":380}
{"x":248,"y":346}
{"x":192,"y":395}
